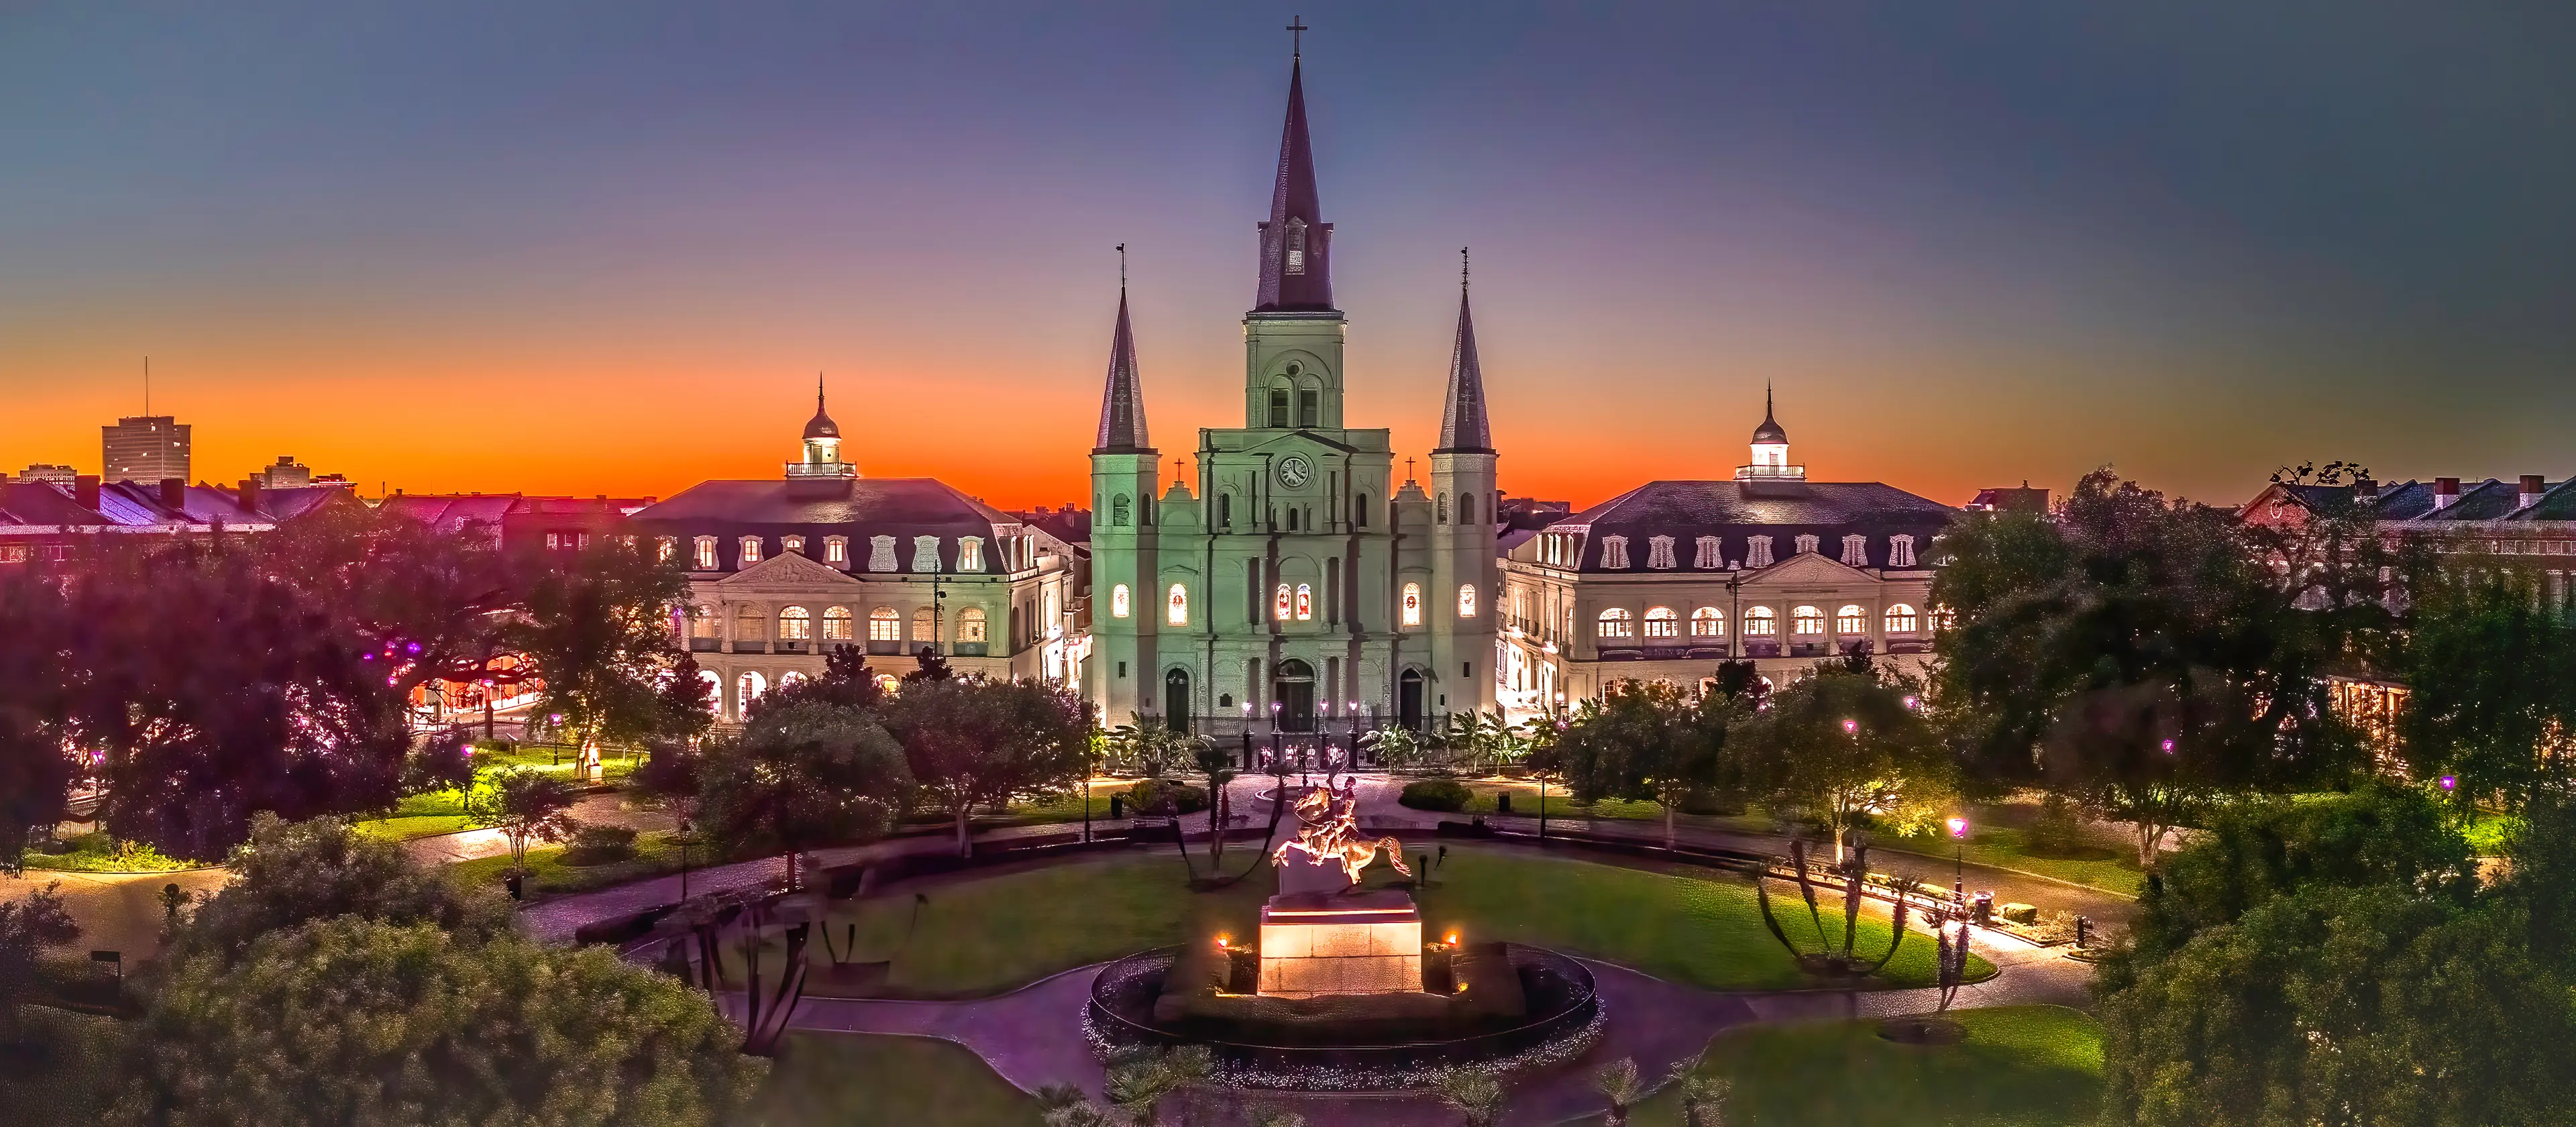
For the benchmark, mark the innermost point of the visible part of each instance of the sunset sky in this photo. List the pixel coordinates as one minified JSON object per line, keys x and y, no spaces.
{"x":585,"y":248}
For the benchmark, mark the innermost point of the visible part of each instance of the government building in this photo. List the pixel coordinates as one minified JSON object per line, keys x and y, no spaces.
{"x":1668,"y":579}
{"x":1292,"y":583}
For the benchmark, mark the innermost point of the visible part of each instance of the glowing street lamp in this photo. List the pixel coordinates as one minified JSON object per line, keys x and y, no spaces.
{"x":1851,"y":727}
{"x":1959,"y":857}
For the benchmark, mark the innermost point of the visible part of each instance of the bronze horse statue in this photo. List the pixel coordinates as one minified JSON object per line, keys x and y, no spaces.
{"x":1330,"y":833}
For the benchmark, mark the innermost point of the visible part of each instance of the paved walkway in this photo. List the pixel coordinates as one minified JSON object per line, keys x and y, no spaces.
{"x":116,"y":911}
{"x":607,"y":809}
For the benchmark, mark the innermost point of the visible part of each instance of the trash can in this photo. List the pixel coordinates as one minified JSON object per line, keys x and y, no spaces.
{"x":1983,"y":911}
{"x":1117,"y":806}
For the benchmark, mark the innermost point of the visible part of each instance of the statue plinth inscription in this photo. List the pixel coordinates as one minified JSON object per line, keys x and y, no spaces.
{"x":1318,"y":936}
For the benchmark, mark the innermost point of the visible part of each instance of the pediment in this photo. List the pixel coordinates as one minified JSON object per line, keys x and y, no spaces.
{"x":1806,"y":570}
{"x":1298,"y":439}
{"x":789,"y":570}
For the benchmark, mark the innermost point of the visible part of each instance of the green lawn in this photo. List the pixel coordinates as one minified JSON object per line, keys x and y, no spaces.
{"x":75,"y":1079}
{"x":858,"y":1080}
{"x":548,"y":874}
{"x":98,"y":853}
{"x":2020,"y":1066}
{"x":994,"y":933}
{"x":2103,"y":866}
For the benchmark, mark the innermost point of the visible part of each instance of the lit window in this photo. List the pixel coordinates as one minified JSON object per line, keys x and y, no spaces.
{"x":750,"y":550}
{"x":1900,"y":618}
{"x":1807,"y":622}
{"x":1900,"y":551}
{"x":1661,"y":622}
{"x":1659,"y":552}
{"x":795,"y":544}
{"x":1942,"y":619}
{"x":1305,"y":601}
{"x":554,"y":541}
{"x":970,"y":625}
{"x":1851,"y":620}
{"x":836,"y":624}
{"x":794,"y":625}
{"x":1413,"y":604}
{"x":581,"y":541}
{"x":665,"y":547}
{"x":1757,"y":552}
{"x":836,"y":549}
{"x":746,"y":624}
{"x":1614,"y":623}
{"x":1614,"y":552}
{"x":1708,"y":556}
{"x":1466,"y":600}
{"x":702,"y":621}
{"x":1759,"y":622}
{"x":970,"y":553}
{"x":1177,"y":607}
{"x":1118,"y":601}
{"x":706,"y":560}
{"x":1282,"y":604}
{"x":925,"y":625}
{"x":1708,"y":622}
{"x":1856,"y":550}
{"x":884,"y":625}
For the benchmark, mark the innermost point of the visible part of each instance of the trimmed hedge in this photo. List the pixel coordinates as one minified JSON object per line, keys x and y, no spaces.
{"x":1147,"y":795}
{"x":1448,"y":795}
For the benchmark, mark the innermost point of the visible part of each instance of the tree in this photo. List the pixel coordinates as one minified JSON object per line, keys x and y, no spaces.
{"x":2343,"y":1005}
{"x":353,"y":1020}
{"x":35,"y":771}
{"x":1475,"y":1095}
{"x":928,"y":665}
{"x":433,"y":601}
{"x":1619,"y":1083}
{"x":1703,"y":1097}
{"x":1647,"y":739}
{"x":686,"y":701}
{"x":525,"y":805}
{"x":597,"y":631}
{"x":801,"y":776}
{"x":1848,"y":747}
{"x":978,"y":743}
{"x":29,"y":926}
{"x":2488,"y":666}
{"x":292,"y":872}
{"x":1393,"y":747}
{"x":847,"y":682}
{"x":2136,"y":655}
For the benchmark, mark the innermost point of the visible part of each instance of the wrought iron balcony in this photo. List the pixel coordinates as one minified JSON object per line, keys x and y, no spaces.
{"x":1771,"y":473}
{"x":821,"y":469}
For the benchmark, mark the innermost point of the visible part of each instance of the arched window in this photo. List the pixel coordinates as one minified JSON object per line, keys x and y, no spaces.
{"x":794,"y":625}
{"x":750,"y":551}
{"x":1806,"y":622}
{"x":1443,"y":517}
{"x":706,"y":553}
{"x":1225,"y":510}
{"x":1661,"y":622}
{"x":1118,"y":511}
{"x":1305,"y":601}
{"x":836,"y":624}
{"x":1942,"y":619}
{"x":1177,"y":606}
{"x":746,"y":624}
{"x":1292,"y":518}
{"x":1900,"y":618}
{"x":1466,"y":600}
{"x":1359,"y":510}
{"x":925,"y":625}
{"x":1466,"y":508}
{"x":1413,"y":604}
{"x":970,"y":625}
{"x":1759,"y":622}
{"x":1281,"y":608}
{"x":702,"y":621}
{"x":1708,"y":622}
{"x":1851,"y":619}
{"x":790,"y":679}
{"x":1118,"y":601}
{"x":750,"y":687}
{"x":794,"y":544}
{"x":883,"y":626}
{"x":1614,"y":623}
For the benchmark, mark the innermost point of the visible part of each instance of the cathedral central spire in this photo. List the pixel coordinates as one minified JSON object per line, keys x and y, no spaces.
{"x":1296,"y":243}
{"x":1462,"y":420}
{"x":1122,"y":402}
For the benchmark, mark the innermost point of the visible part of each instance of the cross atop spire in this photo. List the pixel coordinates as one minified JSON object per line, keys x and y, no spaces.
{"x":1463,"y":429}
{"x":1122,"y":401}
{"x":1296,"y":243}
{"x":1297,"y":30}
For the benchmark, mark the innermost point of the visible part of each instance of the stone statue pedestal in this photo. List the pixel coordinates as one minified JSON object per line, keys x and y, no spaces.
{"x":1319,"y":943}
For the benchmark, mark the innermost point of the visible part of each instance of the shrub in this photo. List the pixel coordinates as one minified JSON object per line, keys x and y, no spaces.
{"x":1148,"y":795}
{"x":600,"y":845}
{"x":2058,"y":830}
{"x":1436,"y":794}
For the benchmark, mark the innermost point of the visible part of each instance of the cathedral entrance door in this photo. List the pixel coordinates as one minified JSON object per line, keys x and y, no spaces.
{"x":1408,"y":699}
{"x":1294,"y":689}
{"x":1176,"y":700}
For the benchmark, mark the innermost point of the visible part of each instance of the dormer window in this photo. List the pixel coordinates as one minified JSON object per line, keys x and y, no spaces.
{"x":970,"y":553}
{"x":795,"y":544}
{"x":750,"y":551}
{"x":1900,"y":551}
{"x":1856,"y":550}
{"x":706,"y":553}
{"x":1659,"y":552}
{"x":1294,"y":242}
{"x":1806,"y":544}
{"x":836,"y":550}
{"x":1614,"y":552}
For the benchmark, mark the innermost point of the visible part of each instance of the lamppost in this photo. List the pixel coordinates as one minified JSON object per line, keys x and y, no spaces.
{"x":1959,"y":858}
{"x":684,"y":858}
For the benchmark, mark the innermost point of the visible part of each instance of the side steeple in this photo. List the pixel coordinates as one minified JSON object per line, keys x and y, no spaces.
{"x":1296,"y":243}
{"x":1462,"y":420}
{"x":1122,"y":402}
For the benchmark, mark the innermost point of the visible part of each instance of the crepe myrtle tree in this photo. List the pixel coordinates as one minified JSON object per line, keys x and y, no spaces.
{"x":526,"y":806}
{"x":801,"y":776}
{"x":1851,"y":746}
{"x":1648,"y":739}
{"x":597,"y":629}
{"x":970,"y":743}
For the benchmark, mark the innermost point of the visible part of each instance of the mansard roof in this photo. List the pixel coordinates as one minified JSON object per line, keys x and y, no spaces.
{"x":1733,"y":511}
{"x":915,"y":504}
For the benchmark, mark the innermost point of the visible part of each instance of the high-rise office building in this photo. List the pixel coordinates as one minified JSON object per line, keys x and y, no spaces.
{"x":144,"y":448}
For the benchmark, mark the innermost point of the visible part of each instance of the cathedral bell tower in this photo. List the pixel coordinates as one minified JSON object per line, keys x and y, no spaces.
{"x":1121,"y":673}
{"x":1466,"y":578}
{"x":1293,"y":335}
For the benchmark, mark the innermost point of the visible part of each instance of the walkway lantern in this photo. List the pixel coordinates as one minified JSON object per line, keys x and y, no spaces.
{"x":1959,"y":856}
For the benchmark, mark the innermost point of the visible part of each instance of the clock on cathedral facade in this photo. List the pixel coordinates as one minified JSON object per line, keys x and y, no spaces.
{"x":1293,"y":582}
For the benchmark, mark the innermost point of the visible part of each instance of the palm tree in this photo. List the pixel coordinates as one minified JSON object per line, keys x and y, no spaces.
{"x":1618,"y":1082}
{"x":1703,"y":1097}
{"x":1477,"y":1096}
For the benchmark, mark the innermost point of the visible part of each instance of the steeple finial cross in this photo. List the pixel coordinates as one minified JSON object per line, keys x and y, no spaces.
{"x":1122,"y":268}
{"x":1408,"y":471}
{"x":1297,"y":30}
{"x":1462,"y":269}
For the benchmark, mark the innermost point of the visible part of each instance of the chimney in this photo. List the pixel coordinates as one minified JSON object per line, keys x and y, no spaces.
{"x":2445,"y":491}
{"x":85,"y":491}
{"x":174,"y":494}
{"x":2533,"y":485}
{"x":250,"y":494}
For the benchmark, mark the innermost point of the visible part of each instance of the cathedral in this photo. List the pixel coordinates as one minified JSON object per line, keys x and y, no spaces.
{"x":1295,"y":585}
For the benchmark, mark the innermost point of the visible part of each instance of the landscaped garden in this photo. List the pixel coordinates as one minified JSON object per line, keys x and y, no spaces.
{"x":860,"y":1080}
{"x":2017,"y":1066}
{"x":988,"y":934}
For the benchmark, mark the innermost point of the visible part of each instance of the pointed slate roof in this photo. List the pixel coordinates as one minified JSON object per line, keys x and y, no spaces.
{"x":1462,"y":420}
{"x":1122,"y":401}
{"x":1294,"y":209}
